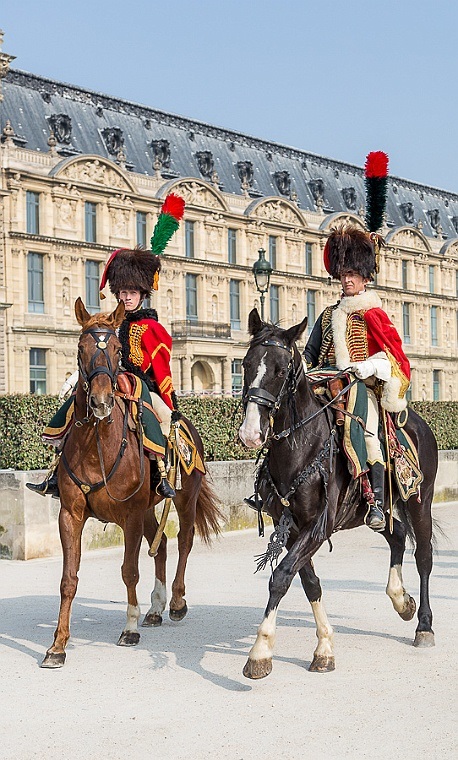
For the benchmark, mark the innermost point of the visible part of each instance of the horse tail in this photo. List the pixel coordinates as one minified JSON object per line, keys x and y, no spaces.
{"x":208,"y":514}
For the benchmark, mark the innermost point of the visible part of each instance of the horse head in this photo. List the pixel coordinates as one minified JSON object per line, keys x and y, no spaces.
{"x":271,"y":367}
{"x":99,"y":352}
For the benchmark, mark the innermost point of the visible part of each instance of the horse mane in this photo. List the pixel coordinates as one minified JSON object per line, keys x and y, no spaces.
{"x":267,"y":331}
{"x":99,"y":320}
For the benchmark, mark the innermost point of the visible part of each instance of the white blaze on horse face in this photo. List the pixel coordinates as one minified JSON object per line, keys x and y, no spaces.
{"x":250,"y":430}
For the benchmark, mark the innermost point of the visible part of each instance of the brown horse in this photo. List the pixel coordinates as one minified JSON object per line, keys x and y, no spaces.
{"x":106,"y":475}
{"x":305,"y":481}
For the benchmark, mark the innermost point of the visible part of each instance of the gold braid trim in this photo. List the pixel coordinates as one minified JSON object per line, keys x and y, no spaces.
{"x":356,"y":337}
{"x":396,"y":371}
{"x":135,"y":343}
{"x":327,"y":356}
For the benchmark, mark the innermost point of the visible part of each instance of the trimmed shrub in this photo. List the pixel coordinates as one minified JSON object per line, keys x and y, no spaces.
{"x":23,"y":417}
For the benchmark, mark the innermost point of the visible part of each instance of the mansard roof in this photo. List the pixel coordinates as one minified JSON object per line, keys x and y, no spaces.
{"x":87,"y":122}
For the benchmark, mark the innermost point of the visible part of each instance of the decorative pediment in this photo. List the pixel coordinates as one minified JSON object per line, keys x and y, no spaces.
{"x":194,"y":193}
{"x":92,"y":170}
{"x":339,"y":219}
{"x":408,"y":237}
{"x":450,"y":248}
{"x":276,"y":210}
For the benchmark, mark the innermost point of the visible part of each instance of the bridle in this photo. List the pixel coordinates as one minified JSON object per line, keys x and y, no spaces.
{"x":102,"y":336}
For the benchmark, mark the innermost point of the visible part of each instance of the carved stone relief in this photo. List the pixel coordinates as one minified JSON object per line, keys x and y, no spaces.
{"x":278,"y":211}
{"x":119,"y":222}
{"x":113,"y":139}
{"x":283,"y":182}
{"x":61,"y":125}
{"x":94,"y":172}
{"x":65,"y":213}
{"x":66,"y":296}
{"x":407,"y":212}
{"x":214,"y":239}
{"x":349,"y":196}
{"x":205,"y":163}
{"x":195,"y":194}
{"x":409,"y":239}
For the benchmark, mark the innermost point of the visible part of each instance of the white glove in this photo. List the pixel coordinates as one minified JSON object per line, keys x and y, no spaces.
{"x":377,"y":365}
{"x":68,"y":385}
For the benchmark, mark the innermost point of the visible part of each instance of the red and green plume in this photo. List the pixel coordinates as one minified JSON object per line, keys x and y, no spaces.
{"x":168,"y":222}
{"x":376,"y":171}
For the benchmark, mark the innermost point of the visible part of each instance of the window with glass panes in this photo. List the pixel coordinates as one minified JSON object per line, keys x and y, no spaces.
{"x":232,"y":246}
{"x":189,"y":239}
{"x":436,"y":385}
{"x":237,"y":377}
{"x":92,"y":286}
{"x":141,"y":228}
{"x":90,"y":222}
{"x":308,"y":258}
{"x":33,"y":212}
{"x":234,"y":303}
{"x":311,"y":310}
{"x":406,"y":321}
{"x":37,"y":370}
{"x":431,"y":279}
{"x":35,"y":283}
{"x":433,"y":319}
{"x":191,"y":296}
{"x":273,"y":251}
{"x":404,"y":274}
{"x":274,"y":295}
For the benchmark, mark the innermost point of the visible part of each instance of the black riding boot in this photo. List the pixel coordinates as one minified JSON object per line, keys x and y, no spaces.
{"x":164,"y":488}
{"x":49,"y":485}
{"x":375,"y":516}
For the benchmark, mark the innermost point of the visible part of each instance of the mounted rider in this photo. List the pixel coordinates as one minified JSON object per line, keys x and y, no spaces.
{"x":357,"y":334}
{"x":132,"y":275}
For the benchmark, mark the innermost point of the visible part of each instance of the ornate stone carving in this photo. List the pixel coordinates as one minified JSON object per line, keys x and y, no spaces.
{"x":434,"y":219}
{"x":65,"y":213}
{"x":408,"y":239}
{"x":283,"y":182}
{"x":195,"y":194}
{"x":61,"y":125}
{"x":278,"y":211}
{"x":205,"y":163}
{"x":95,"y":172}
{"x":66,"y":296}
{"x":119,"y":222}
{"x":349,"y":196}
{"x":407,"y":212}
{"x":317,"y":190}
{"x":113,"y":139}
{"x":245,"y":172}
{"x":161,"y":152}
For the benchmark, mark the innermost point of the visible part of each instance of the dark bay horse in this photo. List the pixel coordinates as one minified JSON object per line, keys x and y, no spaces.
{"x":93,"y":455}
{"x":305,"y":468}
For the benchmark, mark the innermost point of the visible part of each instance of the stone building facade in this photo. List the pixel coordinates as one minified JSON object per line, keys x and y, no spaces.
{"x":82,"y":174}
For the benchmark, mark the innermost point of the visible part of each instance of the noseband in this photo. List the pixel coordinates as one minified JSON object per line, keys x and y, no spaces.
{"x":101,"y":336}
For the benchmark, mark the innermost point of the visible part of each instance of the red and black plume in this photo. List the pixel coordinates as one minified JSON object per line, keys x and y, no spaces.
{"x":376,"y":172}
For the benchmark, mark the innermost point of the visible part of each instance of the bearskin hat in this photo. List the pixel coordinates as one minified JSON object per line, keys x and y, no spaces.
{"x":131,"y":269}
{"x":350,"y":247}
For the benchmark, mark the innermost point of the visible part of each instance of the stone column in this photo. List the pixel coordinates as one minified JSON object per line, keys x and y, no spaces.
{"x":224,"y":388}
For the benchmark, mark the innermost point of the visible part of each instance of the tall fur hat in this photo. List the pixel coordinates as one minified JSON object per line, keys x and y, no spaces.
{"x":137,"y":268}
{"x":350,"y":247}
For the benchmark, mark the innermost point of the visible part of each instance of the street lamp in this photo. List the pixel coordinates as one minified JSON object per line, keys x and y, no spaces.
{"x":262,"y":271}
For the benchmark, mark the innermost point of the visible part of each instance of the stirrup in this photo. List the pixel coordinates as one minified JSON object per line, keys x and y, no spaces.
{"x":165,"y":490}
{"x":254,"y":502}
{"x":375,"y":517}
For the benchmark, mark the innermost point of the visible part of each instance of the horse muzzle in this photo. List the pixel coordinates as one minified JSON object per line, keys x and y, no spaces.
{"x":101,"y":408}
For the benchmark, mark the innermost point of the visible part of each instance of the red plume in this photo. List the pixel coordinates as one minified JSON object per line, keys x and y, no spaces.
{"x":173,"y":205}
{"x":376,"y":164}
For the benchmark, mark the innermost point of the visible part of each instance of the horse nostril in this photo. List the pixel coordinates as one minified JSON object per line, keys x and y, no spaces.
{"x":92,"y":401}
{"x":110,"y":399}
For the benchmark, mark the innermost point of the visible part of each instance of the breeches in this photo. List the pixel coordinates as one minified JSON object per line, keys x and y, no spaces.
{"x":374,"y":449}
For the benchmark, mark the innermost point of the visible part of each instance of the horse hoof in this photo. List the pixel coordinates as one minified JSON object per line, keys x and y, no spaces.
{"x":322,"y":664}
{"x":409,"y":609}
{"x":53,"y":660}
{"x":424,"y":639}
{"x":128,"y":639}
{"x":177,"y":615}
{"x":152,"y":620}
{"x":257,"y":668}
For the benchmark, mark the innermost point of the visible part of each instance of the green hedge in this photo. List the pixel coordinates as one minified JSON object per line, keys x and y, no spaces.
{"x":23,"y":417}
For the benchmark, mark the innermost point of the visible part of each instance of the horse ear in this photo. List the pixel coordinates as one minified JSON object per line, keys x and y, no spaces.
{"x":255,"y":322}
{"x":295,"y":332}
{"x":118,"y":314}
{"x":81,"y":313}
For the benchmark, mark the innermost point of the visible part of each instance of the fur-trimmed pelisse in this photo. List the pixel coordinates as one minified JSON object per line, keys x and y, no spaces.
{"x":133,"y":269}
{"x":349,"y":248}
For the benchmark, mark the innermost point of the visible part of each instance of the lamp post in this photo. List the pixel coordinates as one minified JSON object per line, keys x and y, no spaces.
{"x":262,"y":271}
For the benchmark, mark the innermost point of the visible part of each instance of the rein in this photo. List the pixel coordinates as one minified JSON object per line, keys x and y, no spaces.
{"x":101,"y":337}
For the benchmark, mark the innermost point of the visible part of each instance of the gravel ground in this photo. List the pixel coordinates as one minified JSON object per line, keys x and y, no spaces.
{"x":181,"y":693}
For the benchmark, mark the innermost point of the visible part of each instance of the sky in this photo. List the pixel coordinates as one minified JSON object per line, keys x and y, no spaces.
{"x":333,"y":77}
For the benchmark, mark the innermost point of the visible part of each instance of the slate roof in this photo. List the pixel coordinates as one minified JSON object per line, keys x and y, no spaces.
{"x":31,"y":101}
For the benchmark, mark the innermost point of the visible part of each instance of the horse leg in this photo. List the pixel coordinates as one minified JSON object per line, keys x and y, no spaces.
{"x":178,"y":607}
{"x":403,"y":603}
{"x":70,"y":529}
{"x":133,"y":534}
{"x":153,"y":617}
{"x":422,"y":524}
{"x":323,"y":656}
{"x":259,"y":663}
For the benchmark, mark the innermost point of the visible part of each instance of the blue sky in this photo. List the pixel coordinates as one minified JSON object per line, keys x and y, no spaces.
{"x":333,"y":77}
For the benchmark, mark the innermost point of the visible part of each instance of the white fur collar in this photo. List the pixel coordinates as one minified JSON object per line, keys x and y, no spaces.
{"x":368,"y":299}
